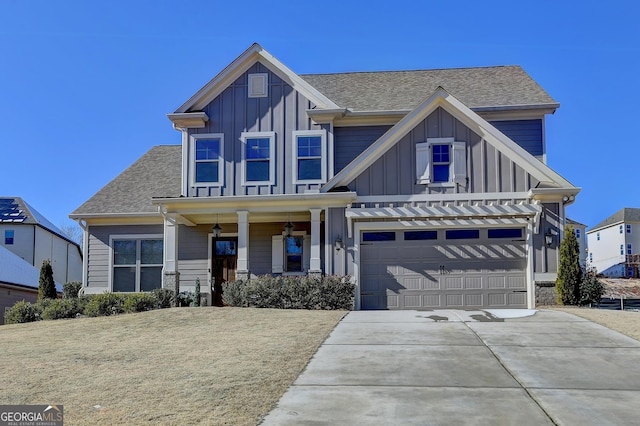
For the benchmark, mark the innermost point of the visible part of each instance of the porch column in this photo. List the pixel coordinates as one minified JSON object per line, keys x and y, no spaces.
{"x":170,"y":273}
{"x":242,"y":271}
{"x":314,"y":261}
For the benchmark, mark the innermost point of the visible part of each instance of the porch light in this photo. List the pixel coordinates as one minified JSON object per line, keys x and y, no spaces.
{"x":217,"y":229}
{"x":549,"y":237}
{"x":339,"y":244}
{"x":288,"y":229}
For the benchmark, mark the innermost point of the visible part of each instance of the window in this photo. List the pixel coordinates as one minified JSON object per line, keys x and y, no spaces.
{"x":505,"y":233}
{"x":462,"y":234}
{"x":208,"y":164}
{"x":590,"y":257}
{"x":621,"y":249}
{"x":137,"y":263}
{"x":293,"y":253}
{"x":621,"y":229}
{"x":309,"y":156}
{"x":8,"y":237}
{"x":258,"y":158}
{"x":420,"y":235}
{"x":598,"y":236}
{"x":577,"y":233}
{"x":630,"y":272}
{"x":379,"y":236}
{"x":629,"y":249}
{"x":290,"y":255}
{"x":628,"y":229}
{"x":441,"y":162}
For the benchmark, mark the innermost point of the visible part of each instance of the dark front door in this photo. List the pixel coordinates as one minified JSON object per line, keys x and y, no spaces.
{"x":223,"y":268}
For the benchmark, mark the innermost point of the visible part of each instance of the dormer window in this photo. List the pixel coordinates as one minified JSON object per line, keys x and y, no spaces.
{"x":441,"y":162}
{"x":207,"y":164}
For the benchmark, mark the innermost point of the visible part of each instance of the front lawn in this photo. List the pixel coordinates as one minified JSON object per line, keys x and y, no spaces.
{"x":169,"y":366}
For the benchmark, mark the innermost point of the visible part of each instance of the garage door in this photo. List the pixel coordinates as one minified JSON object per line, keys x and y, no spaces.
{"x":445,"y":268}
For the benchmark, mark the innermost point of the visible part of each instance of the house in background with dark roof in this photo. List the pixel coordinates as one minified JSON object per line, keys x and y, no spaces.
{"x":429,"y":188}
{"x":30,"y":236}
{"x":19,"y":280}
{"x":579,"y":230}
{"x":613,"y":242}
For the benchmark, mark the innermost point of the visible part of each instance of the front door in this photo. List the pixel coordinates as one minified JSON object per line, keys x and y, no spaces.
{"x":223,"y":266}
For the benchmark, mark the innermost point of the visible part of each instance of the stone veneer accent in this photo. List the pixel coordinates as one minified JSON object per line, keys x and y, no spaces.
{"x":171,"y":280}
{"x":546,"y":294}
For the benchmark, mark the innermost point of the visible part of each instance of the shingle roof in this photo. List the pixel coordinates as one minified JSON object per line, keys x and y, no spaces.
{"x":156,"y":174}
{"x":625,"y":215}
{"x":16,"y":210}
{"x":499,"y":86}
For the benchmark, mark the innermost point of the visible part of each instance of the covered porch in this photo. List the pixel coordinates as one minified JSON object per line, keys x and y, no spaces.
{"x":220,"y":239}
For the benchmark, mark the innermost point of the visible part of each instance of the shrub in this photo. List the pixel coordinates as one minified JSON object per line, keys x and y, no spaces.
{"x":70,"y":290}
{"x":62,"y":308}
{"x":184,"y":298}
{"x":569,"y":272}
{"x":164,"y":297}
{"x":104,"y":304}
{"x":295,"y":292}
{"x":591,"y":288}
{"x":23,"y":312}
{"x":46,"y":285}
{"x":140,"y":302}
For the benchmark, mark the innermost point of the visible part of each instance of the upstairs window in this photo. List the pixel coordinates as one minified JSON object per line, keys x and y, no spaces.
{"x":8,"y":237}
{"x":598,"y":236}
{"x":309,"y":153}
{"x":628,"y":229}
{"x":621,"y":229}
{"x":577,"y":231}
{"x":621,"y":249}
{"x":208,"y":165}
{"x":629,"y":249}
{"x":441,"y":162}
{"x":258,"y":158}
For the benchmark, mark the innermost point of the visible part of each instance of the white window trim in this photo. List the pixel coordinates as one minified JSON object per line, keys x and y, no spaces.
{"x":258,"y":85}
{"x":192,"y":156}
{"x":272,"y":157}
{"x":457,"y":162}
{"x":128,"y":237}
{"x":323,"y":156}
{"x":278,"y":260}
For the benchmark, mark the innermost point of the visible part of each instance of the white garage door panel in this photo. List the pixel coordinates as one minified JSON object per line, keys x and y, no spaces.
{"x":443,"y":273}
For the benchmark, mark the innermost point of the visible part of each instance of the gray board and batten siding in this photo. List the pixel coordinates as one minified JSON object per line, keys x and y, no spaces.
{"x":488,"y":170}
{"x":233,"y":112}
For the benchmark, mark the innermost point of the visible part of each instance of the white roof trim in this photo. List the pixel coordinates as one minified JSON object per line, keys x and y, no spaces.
{"x":241,"y":64}
{"x":441,"y":98}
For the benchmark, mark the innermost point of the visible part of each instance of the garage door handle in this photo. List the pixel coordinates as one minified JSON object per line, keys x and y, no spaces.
{"x":519,"y":291}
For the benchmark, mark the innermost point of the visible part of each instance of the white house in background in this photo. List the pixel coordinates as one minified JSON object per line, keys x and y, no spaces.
{"x":19,"y":280}
{"x":30,"y":236}
{"x":612,"y":240}
{"x":580,"y":230}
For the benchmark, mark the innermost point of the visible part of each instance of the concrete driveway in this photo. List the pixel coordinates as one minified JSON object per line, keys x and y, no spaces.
{"x":462,"y":367}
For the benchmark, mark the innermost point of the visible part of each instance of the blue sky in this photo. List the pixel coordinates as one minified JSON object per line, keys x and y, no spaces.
{"x":85,"y":86}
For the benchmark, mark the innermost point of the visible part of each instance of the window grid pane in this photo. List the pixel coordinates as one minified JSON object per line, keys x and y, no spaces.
{"x":207,"y":171}
{"x":257,"y":171}
{"x":151,"y":252}
{"x":124,"y":279}
{"x":309,"y":169}
{"x":207,"y":149}
{"x":257,"y":149}
{"x":150,"y":278}
{"x":9,"y":236}
{"x":124,"y":252}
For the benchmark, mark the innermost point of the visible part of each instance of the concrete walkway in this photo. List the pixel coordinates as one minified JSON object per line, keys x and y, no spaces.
{"x":463,"y":367}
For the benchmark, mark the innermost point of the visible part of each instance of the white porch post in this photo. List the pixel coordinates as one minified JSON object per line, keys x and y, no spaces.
{"x":530,"y":283}
{"x":170,"y":273}
{"x":314,"y":264}
{"x":242,"y":273}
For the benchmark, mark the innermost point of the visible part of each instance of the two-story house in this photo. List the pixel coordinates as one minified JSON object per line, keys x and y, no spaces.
{"x":429,"y":188}
{"x":579,"y":230}
{"x":29,"y":235}
{"x":613,"y":242}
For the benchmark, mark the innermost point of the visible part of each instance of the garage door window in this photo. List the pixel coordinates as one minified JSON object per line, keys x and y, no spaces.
{"x":462,"y":234}
{"x":378,"y":236}
{"x":420,"y":235}
{"x":505,"y":233}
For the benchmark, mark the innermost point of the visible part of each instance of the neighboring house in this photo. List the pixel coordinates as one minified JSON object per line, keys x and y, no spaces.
{"x":28,"y":234}
{"x":430,"y":188}
{"x":580,"y":231}
{"x":19,"y":280}
{"x":613,"y":241}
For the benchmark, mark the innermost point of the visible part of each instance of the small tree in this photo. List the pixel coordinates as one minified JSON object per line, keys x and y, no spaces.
{"x":46,"y":287}
{"x":591,"y":288}
{"x":196,"y":296}
{"x":570,"y":272}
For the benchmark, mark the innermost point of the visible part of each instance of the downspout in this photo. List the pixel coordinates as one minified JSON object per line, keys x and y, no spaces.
{"x":85,"y":254}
